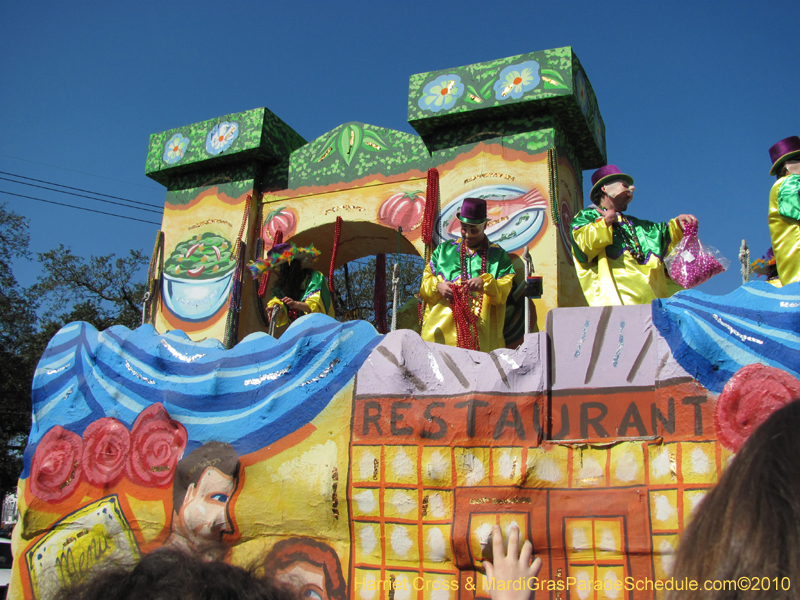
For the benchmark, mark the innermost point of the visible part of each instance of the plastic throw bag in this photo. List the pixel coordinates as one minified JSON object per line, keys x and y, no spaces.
{"x":691,"y":262}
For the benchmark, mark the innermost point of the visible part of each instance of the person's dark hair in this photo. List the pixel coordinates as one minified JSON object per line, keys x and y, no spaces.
{"x":190,"y":468}
{"x":749,"y":524}
{"x":597,"y":195}
{"x":302,"y":549}
{"x":290,"y":280}
{"x":783,"y":171}
{"x":173,"y":574}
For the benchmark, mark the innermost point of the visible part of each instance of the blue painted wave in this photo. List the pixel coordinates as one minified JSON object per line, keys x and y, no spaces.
{"x":712,"y":337}
{"x":250,"y":396}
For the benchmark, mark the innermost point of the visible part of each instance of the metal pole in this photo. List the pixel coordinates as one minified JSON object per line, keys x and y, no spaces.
{"x":395,"y":295}
{"x":528,"y":270}
{"x":744,"y":258}
{"x":272,"y":320}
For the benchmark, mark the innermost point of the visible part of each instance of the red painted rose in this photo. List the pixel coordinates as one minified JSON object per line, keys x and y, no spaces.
{"x":56,"y":465}
{"x":403,"y":210}
{"x":106,"y":445}
{"x":157,"y":444}
{"x":748,"y":399}
{"x":284,"y":219}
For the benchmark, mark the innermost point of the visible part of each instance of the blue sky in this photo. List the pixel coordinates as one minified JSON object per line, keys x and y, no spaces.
{"x":692,"y":94}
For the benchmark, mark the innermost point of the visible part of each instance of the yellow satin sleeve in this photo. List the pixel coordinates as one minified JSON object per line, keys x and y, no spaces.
{"x":427,"y":289}
{"x":497,"y":290}
{"x":282,"y":318}
{"x":785,"y":234}
{"x":594,"y":237}
{"x":316,"y":304}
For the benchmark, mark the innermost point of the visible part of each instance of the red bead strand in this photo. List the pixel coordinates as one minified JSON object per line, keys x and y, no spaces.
{"x":337,"y":233}
{"x":431,"y":202}
{"x":465,"y":315}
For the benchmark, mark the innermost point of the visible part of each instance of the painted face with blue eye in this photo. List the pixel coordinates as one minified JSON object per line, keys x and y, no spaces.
{"x":312,"y":593}
{"x":306,"y":579}
{"x":204,"y":513}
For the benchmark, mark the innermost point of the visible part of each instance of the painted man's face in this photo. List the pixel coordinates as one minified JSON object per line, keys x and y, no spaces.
{"x":307,"y":580}
{"x":204,"y":512}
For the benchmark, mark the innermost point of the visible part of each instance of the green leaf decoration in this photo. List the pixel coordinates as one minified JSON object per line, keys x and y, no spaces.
{"x":553,"y":79}
{"x":326,"y":149}
{"x":374,"y":142}
{"x":273,"y":214}
{"x":349,"y":142}
{"x":486,"y":88}
{"x":472,"y":96}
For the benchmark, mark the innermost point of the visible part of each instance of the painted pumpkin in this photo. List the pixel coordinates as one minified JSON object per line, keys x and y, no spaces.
{"x":404,"y":209}
{"x":283,"y":219}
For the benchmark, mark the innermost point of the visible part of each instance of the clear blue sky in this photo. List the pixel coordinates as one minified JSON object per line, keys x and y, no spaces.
{"x":692,"y":93}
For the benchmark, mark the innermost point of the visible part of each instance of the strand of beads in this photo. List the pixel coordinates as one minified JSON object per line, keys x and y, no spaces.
{"x":465,"y":272}
{"x":464,"y":307}
{"x":466,"y":321}
{"x":630,"y":240}
{"x":694,"y":264}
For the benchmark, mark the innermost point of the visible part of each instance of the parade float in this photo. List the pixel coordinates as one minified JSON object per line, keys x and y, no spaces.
{"x":380,"y":463}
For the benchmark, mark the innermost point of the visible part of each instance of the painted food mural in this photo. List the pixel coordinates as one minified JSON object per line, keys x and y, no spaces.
{"x":404,"y":209}
{"x":282,"y":219}
{"x":198,"y":276}
{"x":516,"y":216}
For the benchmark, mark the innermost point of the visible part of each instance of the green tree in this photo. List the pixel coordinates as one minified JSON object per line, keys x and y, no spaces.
{"x":355,"y":289}
{"x":102,"y":290}
{"x":17,"y":326}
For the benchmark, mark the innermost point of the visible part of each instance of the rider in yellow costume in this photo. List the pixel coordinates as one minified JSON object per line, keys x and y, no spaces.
{"x":487,"y":269}
{"x":784,"y":208}
{"x":619,"y":258}
{"x":298,"y":290}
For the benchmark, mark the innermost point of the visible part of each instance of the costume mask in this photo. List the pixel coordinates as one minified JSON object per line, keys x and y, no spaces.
{"x":615,"y":188}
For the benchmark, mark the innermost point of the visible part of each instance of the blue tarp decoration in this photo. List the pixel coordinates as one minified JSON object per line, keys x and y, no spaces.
{"x":712,"y":337}
{"x":250,"y":396}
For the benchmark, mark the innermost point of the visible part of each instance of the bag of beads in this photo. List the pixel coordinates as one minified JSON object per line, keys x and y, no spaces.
{"x":692,"y":262}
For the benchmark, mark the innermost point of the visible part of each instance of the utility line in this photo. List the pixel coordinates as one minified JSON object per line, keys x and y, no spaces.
{"x":79,"y":189}
{"x":147,"y":187}
{"x":80,"y":208}
{"x":41,"y":187}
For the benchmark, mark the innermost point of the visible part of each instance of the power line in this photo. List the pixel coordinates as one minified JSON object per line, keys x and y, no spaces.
{"x":148,"y":187}
{"x":100,"y":212}
{"x":41,"y":187}
{"x":79,"y":189}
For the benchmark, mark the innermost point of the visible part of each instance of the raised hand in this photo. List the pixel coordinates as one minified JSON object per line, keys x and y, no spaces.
{"x":511,"y":567}
{"x":610,"y":216}
{"x":684,"y":220}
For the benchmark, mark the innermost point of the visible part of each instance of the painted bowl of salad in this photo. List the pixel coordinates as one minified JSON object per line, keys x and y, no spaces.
{"x":198,"y":276}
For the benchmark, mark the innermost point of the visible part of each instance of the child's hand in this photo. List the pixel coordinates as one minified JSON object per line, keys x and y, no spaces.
{"x":514,"y":567}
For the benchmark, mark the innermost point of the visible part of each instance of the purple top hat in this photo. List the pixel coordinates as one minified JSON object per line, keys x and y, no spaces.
{"x":783,"y":151}
{"x":280,"y":248}
{"x":606,"y":174}
{"x":473,"y":211}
